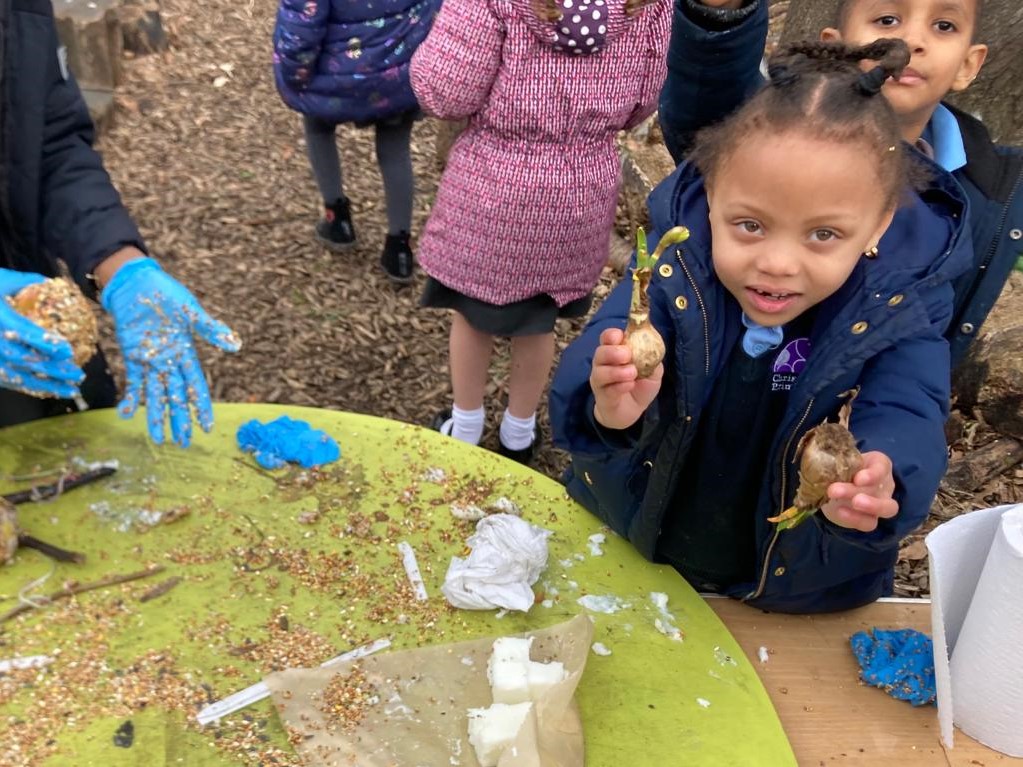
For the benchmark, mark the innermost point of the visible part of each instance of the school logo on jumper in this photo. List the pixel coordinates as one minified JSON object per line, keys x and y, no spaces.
{"x":790,"y":363}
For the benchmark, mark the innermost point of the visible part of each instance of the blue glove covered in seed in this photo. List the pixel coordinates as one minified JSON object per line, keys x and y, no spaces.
{"x":899,"y":662}
{"x":156,"y":317}
{"x":286,"y":440}
{"x":32,"y":360}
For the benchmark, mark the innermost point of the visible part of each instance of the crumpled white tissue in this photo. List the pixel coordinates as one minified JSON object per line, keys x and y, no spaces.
{"x":508,"y":554}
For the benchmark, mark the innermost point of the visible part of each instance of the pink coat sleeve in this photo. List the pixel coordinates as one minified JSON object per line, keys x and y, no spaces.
{"x":454,"y":68}
{"x":655,"y":47}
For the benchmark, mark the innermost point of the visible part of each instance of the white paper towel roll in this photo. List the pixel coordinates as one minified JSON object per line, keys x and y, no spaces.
{"x":976,"y":566}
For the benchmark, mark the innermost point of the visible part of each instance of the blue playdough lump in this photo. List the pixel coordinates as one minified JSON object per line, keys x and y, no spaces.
{"x":899,"y":662}
{"x":285,"y":440}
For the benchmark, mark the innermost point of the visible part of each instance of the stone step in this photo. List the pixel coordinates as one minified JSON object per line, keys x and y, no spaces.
{"x":90,"y":30}
{"x":101,"y":107}
{"x":142,"y":27}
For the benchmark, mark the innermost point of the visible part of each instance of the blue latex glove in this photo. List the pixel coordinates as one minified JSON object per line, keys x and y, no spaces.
{"x":155,"y":317}
{"x":285,"y":439}
{"x":899,"y":662}
{"x":31,"y":360}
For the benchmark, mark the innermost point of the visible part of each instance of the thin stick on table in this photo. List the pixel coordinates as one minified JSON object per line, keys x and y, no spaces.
{"x":62,"y":485}
{"x":79,"y":588}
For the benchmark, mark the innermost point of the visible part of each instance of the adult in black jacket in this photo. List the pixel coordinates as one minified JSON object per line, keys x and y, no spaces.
{"x":57,"y":204}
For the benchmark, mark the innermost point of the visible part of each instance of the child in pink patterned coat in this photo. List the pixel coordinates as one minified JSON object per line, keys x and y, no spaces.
{"x":521,"y":225}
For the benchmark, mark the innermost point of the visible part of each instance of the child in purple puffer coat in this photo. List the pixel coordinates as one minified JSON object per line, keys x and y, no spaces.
{"x":347,"y":61}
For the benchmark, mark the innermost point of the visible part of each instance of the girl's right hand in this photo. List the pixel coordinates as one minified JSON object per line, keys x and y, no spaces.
{"x":621,"y":397}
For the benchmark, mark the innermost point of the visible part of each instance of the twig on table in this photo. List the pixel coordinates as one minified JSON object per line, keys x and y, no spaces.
{"x":53,"y":552}
{"x":160,"y":588}
{"x":80,"y":588}
{"x":67,"y":481}
{"x":256,"y":468}
{"x":245,"y":566}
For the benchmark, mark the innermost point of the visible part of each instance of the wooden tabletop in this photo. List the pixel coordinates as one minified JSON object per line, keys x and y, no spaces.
{"x":828,"y":715}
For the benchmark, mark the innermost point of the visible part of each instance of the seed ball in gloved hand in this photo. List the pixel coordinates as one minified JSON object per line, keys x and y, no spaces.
{"x":58,"y":306}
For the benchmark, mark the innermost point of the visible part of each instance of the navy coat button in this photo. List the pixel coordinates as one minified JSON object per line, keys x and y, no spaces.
{"x":967,"y":328}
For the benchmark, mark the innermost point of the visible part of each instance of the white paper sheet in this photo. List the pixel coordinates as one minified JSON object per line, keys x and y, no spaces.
{"x":976,"y":567}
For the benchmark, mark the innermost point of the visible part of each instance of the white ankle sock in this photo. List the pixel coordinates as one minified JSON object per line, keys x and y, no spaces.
{"x":517,"y":433}
{"x":466,"y":425}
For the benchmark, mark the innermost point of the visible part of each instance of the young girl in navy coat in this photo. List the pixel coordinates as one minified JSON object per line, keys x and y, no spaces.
{"x":813,"y":268}
{"x":347,"y":61}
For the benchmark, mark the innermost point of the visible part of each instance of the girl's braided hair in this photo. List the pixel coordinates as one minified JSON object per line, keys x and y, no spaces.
{"x":548,"y":10}
{"x":819,"y":89}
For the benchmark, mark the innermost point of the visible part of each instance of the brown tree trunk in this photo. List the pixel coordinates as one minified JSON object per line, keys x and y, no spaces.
{"x":970,"y":470}
{"x":804,"y":19}
{"x":997,"y":95}
{"x":990,"y":380}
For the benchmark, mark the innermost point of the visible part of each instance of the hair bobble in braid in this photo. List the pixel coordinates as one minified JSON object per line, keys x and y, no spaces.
{"x":781,"y":75}
{"x":891,"y":55}
{"x":870,"y":83}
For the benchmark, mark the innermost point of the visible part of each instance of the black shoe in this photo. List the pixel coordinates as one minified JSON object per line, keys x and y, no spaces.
{"x":335,"y":230}
{"x":440,"y":419}
{"x":525,"y":455}
{"x":397,"y":259}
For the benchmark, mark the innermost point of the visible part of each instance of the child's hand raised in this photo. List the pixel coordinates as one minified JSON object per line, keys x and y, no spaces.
{"x":860,"y":504}
{"x":621,"y":397}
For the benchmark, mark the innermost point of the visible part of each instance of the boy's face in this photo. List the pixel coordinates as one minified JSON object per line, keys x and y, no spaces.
{"x":939,"y":34}
{"x":790,"y":217}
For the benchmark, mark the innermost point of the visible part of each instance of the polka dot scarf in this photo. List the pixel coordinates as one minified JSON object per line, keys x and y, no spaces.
{"x":582,"y":28}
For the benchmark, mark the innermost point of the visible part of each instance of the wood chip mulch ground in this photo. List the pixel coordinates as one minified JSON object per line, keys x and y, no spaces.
{"x":213,"y":167}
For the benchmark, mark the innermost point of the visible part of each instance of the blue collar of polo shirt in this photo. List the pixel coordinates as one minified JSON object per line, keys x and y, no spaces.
{"x":946,"y":139}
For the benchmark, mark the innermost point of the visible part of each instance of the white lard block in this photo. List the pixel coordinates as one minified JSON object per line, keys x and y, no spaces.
{"x":493,"y":729}
{"x":543,"y":676}
{"x":507,"y":670}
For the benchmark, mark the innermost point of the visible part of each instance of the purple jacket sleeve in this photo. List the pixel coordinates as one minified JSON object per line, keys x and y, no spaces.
{"x":298,"y":38}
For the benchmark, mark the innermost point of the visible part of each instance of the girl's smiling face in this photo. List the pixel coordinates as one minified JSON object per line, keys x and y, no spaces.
{"x":791,"y":215}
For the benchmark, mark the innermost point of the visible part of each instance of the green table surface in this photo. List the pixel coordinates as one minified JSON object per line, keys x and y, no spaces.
{"x":292,"y":567}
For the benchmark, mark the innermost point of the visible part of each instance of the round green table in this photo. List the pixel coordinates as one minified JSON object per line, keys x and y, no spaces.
{"x":266,"y":570}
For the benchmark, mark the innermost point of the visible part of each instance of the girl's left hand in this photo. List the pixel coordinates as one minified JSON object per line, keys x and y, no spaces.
{"x":862,"y":503}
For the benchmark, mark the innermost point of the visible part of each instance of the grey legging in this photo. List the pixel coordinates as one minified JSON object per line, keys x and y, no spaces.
{"x":393,"y":155}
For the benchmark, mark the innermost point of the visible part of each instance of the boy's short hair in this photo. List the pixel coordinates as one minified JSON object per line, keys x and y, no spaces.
{"x":846,"y":5}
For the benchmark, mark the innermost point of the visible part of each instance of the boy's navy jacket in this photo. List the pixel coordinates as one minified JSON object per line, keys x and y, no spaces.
{"x":348,"y":60}
{"x":711,"y":72}
{"x":882,"y":331}
{"x":56,"y":200}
